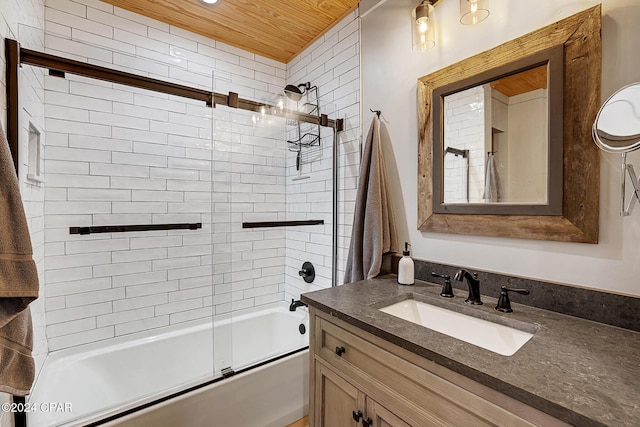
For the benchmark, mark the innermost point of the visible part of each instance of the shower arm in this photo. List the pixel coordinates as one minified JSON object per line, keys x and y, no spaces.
{"x":457,"y":152}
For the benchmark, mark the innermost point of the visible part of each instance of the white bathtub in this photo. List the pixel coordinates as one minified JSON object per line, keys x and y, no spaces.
{"x":106,"y":378}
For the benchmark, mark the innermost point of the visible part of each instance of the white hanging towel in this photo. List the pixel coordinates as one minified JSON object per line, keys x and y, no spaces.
{"x":491,"y":184}
{"x":374,"y":230}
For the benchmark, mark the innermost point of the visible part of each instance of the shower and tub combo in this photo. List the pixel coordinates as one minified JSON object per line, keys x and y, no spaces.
{"x":103,"y":380}
{"x":176,"y":223}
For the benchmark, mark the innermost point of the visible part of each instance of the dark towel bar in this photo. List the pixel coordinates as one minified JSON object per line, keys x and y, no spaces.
{"x":126,"y":228}
{"x":266,"y":224}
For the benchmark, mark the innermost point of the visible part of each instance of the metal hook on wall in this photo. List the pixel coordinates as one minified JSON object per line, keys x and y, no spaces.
{"x":378,"y":112}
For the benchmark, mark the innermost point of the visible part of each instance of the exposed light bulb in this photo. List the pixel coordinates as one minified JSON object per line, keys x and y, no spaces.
{"x":210,"y":1}
{"x":423,"y":25}
{"x":474,"y":5}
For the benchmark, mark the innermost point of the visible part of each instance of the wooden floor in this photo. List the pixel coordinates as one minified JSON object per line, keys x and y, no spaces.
{"x":300,"y":423}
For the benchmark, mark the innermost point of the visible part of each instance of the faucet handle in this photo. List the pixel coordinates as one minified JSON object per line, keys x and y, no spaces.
{"x":504,"y":304}
{"x":444,"y":276}
{"x":447,"y":292}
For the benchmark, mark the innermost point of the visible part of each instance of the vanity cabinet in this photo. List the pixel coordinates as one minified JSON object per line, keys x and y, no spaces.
{"x":339,"y":398}
{"x":354,"y":372}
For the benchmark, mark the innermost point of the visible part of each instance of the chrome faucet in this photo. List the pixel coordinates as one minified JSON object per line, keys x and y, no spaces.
{"x":474,"y":286}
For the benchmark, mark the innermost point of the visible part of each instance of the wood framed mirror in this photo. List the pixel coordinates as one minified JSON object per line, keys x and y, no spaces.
{"x":570,"y":171}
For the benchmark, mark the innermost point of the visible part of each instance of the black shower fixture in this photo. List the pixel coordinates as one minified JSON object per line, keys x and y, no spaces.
{"x":294,"y":92}
{"x":308,"y":272}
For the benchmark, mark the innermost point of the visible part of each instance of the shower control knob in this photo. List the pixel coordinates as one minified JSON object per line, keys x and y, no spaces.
{"x":308,"y":272}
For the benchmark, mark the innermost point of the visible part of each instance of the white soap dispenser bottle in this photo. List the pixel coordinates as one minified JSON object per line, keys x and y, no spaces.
{"x":405,"y":267}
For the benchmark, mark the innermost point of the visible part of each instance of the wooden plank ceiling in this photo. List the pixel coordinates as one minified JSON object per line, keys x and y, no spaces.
{"x":523,"y":82}
{"x":277,"y":29}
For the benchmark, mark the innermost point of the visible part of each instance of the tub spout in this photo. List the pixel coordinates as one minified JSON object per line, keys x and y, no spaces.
{"x":295,"y":304}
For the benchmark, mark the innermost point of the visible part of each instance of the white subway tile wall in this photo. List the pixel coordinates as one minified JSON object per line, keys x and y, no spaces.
{"x":249,"y":186}
{"x":464,"y":177}
{"x":114,"y":163}
{"x":23,"y":20}
{"x":118,"y":155}
{"x":333,"y":64}
{"x":126,"y":156}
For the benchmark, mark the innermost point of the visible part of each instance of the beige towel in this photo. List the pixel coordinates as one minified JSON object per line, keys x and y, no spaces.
{"x":18,"y":283}
{"x":374,"y":229}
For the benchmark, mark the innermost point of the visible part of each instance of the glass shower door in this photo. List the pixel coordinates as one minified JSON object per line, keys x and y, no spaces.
{"x":262,"y":185}
{"x":128,"y":226}
{"x":258,"y":204}
{"x":222,"y":315}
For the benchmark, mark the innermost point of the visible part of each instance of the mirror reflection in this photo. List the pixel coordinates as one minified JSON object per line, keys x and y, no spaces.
{"x":571,"y":50}
{"x":495,"y":141}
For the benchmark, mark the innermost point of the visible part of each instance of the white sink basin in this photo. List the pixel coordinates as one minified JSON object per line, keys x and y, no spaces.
{"x":491,"y":336}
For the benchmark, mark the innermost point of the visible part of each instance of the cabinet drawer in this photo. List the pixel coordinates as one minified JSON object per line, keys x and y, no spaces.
{"x":394,"y":381}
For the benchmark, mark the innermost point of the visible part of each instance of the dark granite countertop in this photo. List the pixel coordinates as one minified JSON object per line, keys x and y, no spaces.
{"x":583,"y":372}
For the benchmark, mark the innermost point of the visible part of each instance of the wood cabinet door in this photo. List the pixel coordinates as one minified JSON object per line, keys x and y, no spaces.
{"x":338,"y":400}
{"x":381,"y":416}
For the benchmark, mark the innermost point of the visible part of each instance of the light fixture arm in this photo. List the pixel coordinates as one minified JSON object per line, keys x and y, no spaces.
{"x":422,"y":10}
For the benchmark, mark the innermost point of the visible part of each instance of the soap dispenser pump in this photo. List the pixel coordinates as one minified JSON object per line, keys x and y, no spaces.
{"x":405,"y":267}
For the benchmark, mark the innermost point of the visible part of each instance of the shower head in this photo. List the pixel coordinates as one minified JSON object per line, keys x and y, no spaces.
{"x":295,"y":93}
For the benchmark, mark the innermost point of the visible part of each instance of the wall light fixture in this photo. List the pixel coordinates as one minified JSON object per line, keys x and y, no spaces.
{"x":423,"y":35}
{"x":423,"y":23}
{"x":473,"y":11}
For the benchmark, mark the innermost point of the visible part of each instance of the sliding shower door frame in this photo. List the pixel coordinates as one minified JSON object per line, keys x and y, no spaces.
{"x":58,"y":66}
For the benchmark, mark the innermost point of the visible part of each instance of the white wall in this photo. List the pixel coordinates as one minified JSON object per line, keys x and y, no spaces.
{"x":390,"y":71}
{"x":527,"y":161}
